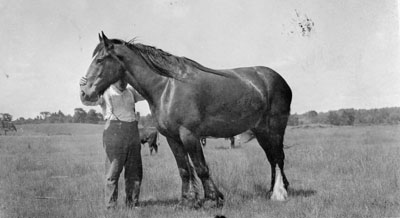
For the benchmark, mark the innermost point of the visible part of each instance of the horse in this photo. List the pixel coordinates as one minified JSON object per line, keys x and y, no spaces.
{"x":8,"y":126}
{"x":190,"y":101}
{"x":149,"y":135}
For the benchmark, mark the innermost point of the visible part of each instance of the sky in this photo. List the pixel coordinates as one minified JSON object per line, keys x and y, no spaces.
{"x":349,"y":59}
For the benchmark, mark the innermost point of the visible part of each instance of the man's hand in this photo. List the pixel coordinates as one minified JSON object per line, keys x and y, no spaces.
{"x":83,"y":81}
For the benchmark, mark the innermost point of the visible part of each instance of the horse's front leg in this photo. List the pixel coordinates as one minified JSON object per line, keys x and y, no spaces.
{"x":193,"y":146}
{"x":190,"y":192}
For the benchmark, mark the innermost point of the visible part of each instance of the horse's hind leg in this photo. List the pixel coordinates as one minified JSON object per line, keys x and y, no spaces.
{"x":271,"y":140}
{"x":186,"y":171}
{"x":193,"y":147}
{"x":232,"y":141}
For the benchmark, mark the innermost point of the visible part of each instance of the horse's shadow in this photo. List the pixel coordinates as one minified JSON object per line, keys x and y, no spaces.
{"x":163,"y":202}
{"x":301,"y":192}
{"x":292,"y":192}
{"x":259,"y":189}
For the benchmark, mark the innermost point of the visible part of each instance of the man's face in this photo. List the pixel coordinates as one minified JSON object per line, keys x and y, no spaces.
{"x":121,"y":84}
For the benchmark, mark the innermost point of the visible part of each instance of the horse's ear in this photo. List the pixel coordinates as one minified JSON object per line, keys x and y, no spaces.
{"x":103,"y":36}
{"x":106,"y":41}
{"x":100,"y":39}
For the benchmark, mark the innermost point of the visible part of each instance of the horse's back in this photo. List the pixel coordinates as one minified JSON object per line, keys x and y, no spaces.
{"x":259,"y":83}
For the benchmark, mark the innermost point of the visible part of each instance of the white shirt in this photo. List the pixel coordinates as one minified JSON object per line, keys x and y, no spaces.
{"x":117,"y":105}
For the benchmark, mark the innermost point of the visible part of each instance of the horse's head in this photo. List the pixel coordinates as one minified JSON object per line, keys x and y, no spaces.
{"x":105,"y":69}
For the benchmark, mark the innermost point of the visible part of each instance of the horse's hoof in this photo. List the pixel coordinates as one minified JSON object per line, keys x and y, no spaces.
{"x":189,"y":203}
{"x":213,"y":203}
{"x":278,"y":195}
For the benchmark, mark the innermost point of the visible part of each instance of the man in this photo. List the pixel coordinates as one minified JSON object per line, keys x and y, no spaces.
{"x":121,"y":141}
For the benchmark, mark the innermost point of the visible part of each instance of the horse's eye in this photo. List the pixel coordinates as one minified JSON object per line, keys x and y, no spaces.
{"x":100,"y":60}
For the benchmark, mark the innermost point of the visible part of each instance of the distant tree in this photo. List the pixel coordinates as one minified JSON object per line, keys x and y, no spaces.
{"x":53,"y":118}
{"x":382,"y":116}
{"x":92,"y":116}
{"x":20,"y":121}
{"x":61,"y":117}
{"x":79,"y":115}
{"x":58,"y":117}
{"x":68,"y":119}
{"x":312,"y":116}
{"x":333,"y":118}
{"x":60,"y":113}
{"x":44,"y":115}
{"x":293,"y":120}
{"x":347,"y":116}
{"x":394,"y":118}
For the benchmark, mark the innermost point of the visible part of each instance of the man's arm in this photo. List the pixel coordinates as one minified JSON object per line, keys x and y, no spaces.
{"x":136,"y":94}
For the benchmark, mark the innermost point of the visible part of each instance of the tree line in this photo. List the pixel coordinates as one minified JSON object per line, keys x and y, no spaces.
{"x":79,"y":116}
{"x":340,"y":117}
{"x":348,"y":117}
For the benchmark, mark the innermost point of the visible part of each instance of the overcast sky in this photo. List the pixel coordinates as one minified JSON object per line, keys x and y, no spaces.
{"x":350,"y":58}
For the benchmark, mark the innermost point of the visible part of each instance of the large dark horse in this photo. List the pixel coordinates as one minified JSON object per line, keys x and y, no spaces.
{"x":189,"y":101}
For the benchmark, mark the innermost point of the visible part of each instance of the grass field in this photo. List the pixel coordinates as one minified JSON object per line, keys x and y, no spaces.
{"x":56,"y":170}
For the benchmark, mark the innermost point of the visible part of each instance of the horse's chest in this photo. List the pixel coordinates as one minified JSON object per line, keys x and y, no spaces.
{"x":171,"y":118}
{"x":165,"y":122}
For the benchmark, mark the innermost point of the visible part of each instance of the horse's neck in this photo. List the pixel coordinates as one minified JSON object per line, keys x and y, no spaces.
{"x":147,"y":82}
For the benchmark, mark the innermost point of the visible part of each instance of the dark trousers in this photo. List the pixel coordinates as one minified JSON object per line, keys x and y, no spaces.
{"x":122,"y":146}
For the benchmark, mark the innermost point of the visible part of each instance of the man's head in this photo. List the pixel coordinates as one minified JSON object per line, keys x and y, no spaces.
{"x":121,"y":84}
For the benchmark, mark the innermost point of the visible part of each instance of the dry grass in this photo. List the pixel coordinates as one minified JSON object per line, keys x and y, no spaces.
{"x":57,"y":171}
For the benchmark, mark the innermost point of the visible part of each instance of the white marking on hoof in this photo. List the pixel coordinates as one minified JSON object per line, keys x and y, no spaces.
{"x":279,"y":192}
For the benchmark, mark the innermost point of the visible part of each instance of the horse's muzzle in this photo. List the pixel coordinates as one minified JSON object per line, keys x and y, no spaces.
{"x":91,"y":97}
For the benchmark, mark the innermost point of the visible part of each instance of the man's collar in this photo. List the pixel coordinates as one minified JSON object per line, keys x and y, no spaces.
{"x":117,"y":89}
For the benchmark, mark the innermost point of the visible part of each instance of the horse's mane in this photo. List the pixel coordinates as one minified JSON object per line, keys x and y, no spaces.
{"x":163,"y":63}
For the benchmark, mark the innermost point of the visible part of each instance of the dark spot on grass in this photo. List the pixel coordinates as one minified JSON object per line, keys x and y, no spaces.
{"x":301,"y":192}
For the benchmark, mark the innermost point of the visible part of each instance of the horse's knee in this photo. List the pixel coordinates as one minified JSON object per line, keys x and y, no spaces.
{"x":185,"y":174}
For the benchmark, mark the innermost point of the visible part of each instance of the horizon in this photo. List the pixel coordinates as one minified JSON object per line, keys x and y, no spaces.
{"x":142,"y":115}
{"x":348,"y":58}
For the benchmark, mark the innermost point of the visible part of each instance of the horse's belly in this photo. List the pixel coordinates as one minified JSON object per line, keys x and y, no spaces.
{"x":229,"y":117}
{"x":222,"y":126}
